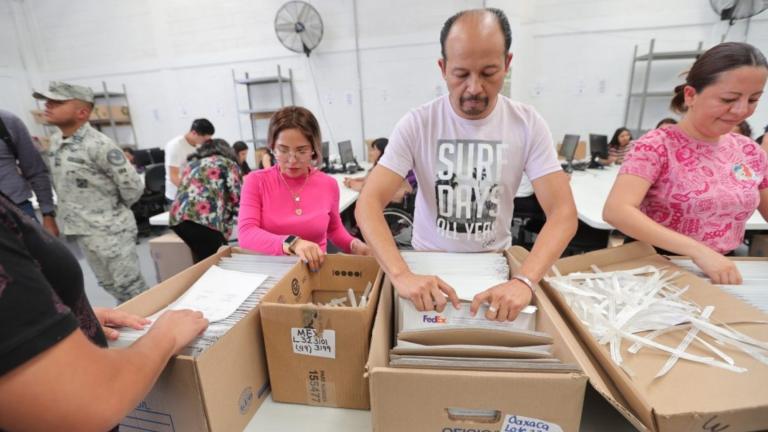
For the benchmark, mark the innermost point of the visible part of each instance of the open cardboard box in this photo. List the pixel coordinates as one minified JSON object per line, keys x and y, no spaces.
{"x":220,"y":389}
{"x":691,"y":396}
{"x":405,"y":399}
{"x":316,"y":353}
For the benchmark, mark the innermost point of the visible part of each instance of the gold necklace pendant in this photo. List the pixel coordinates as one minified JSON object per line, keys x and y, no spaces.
{"x":298,"y":212}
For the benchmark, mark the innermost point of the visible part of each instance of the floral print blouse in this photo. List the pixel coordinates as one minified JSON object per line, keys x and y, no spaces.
{"x":209,"y":194}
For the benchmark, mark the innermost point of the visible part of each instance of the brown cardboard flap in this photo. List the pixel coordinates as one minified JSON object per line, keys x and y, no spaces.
{"x":598,"y":377}
{"x":233,"y":394}
{"x":691,"y":393}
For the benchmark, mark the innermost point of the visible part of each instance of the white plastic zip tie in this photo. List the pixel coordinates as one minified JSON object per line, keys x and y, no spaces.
{"x":616,"y":305}
{"x":684,"y":344}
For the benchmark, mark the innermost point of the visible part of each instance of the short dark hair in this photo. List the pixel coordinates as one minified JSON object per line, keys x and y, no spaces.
{"x":716,"y":60}
{"x":498,"y":13}
{"x":215,"y":146}
{"x":665,"y":121}
{"x":202,"y":127}
{"x":239,"y":146}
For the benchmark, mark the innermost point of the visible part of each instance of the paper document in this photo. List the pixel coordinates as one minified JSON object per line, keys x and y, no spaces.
{"x":219,"y":292}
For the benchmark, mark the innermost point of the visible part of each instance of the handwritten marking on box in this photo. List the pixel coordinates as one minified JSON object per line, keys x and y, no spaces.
{"x":516,"y":423}
{"x":307,"y":341}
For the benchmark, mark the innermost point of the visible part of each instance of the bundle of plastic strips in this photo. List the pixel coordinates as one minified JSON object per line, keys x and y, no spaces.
{"x":639,"y":305}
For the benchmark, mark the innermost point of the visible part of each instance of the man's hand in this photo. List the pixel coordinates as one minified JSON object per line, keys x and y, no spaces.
{"x":506,"y":300}
{"x":427,"y":293}
{"x":49,"y":223}
{"x":110,"y":318}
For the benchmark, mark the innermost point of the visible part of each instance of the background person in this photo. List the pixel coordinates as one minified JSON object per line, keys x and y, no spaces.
{"x":690,"y":188}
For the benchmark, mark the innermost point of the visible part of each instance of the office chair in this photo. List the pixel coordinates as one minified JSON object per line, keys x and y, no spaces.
{"x":152,"y":202}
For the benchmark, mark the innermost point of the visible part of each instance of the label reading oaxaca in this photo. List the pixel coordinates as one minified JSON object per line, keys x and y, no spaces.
{"x":307,"y":341}
{"x":516,"y":423}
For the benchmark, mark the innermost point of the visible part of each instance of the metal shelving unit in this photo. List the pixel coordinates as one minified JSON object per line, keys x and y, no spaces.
{"x":644,"y":95}
{"x":112,"y":99}
{"x":259,"y":110}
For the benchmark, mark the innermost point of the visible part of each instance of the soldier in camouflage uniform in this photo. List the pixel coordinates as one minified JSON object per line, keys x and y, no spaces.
{"x":95,"y":186}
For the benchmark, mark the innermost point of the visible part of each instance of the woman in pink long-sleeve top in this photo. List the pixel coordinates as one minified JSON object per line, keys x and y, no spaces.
{"x":293,"y":208}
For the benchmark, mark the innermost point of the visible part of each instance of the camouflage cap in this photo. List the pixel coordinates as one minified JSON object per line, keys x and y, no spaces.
{"x":61,"y":91}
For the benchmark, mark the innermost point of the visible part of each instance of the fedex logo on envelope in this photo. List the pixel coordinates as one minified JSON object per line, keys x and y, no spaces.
{"x":437,"y":319}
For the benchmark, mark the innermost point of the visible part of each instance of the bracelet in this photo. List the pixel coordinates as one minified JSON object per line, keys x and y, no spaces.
{"x":526,"y":281}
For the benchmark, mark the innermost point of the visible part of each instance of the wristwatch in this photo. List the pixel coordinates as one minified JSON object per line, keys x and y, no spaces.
{"x":50,"y":213}
{"x":290,"y":242}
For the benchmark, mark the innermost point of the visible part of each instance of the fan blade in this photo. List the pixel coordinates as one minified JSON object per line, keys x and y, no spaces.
{"x":286,"y":27}
{"x":306,"y":9}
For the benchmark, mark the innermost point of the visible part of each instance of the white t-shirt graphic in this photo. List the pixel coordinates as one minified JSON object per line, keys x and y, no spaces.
{"x":468,"y":171}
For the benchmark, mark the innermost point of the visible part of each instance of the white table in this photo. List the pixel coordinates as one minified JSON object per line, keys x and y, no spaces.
{"x":346,"y":195}
{"x":590,"y":191}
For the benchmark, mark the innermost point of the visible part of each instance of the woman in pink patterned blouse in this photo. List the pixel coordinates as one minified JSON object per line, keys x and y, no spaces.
{"x":292,"y":208}
{"x":690,"y":188}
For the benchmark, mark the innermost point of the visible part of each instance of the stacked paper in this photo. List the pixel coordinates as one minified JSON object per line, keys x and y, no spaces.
{"x":453,"y":338}
{"x":226,"y":293}
{"x":754,"y":288}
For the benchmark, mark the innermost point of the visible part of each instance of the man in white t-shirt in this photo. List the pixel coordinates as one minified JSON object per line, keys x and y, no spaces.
{"x":469,"y":150}
{"x":178,"y":149}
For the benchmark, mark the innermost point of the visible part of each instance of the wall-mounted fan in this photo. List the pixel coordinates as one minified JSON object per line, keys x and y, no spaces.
{"x":732,"y":10}
{"x":299,"y":27}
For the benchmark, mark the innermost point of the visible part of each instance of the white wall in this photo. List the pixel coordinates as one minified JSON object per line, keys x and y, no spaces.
{"x":176,"y":57}
{"x":579,"y":75}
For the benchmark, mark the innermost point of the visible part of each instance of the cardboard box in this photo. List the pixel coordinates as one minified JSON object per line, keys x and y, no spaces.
{"x":170,"y":255}
{"x":119,"y":113}
{"x":404,"y":399}
{"x":219,"y":390}
{"x":691,"y":396}
{"x":579,"y":154}
{"x":316,"y":354}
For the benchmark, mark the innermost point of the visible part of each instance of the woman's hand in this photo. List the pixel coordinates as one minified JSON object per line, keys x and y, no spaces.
{"x":310,"y":253}
{"x":359,"y":247}
{"x":110,"y":318}
{"x":718,"y":268}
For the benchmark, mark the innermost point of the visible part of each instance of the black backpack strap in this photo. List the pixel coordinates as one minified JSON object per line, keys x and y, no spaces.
{"x":5,"y":135}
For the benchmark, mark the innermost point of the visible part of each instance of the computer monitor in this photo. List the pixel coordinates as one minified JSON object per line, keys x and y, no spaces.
{"x":326,"y":152}
{"x":347,"y":155}
{"x":598,"y":146}
{"x":568,"y":149}
{"x":142,"y":158}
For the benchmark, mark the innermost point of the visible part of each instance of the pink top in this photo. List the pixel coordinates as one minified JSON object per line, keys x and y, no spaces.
{"x":268,"y":212}
{"x":704,"y":190}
